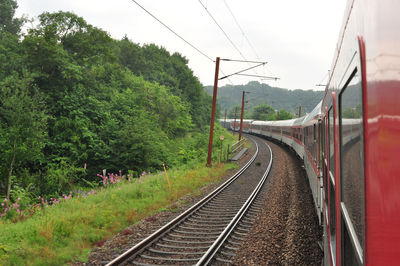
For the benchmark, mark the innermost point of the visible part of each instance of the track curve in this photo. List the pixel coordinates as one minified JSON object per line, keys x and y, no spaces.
{"x":198,"y":234}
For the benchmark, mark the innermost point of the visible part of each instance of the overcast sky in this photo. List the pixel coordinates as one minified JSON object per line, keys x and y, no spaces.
{"x":297,"y":38}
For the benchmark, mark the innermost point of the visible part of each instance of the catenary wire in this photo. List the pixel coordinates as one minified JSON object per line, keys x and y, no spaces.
{"x":179,"y":36}
{"x":171,"y":30}
{"x":241,"y":30}
{"x":226,"y":35}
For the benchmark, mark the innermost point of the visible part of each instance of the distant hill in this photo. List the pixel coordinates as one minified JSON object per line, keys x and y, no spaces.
{"x":278,"y":98}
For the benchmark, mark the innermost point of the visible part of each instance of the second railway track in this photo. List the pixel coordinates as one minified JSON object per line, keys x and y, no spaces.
{"x":211,"y":230}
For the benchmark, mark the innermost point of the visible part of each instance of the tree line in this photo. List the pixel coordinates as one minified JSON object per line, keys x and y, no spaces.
{"x":74,"y":101}
{"x":261,"y":93}
{"x":263,"y":112}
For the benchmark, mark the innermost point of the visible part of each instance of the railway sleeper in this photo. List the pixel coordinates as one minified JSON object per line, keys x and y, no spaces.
{"x":212,"y":213}
{"x":245,"y":225}
{"x":206,"y":225}
{"x":197,"y":228}
{"x":174,"y":253}
{"x":231,"y":248}
{"x":170,"y":259}
{"x":180,"y":247}
{"x":188,"y":242}
{"x":228,"y":254}
{"x":240,"y":234}
{"x":211,"y":218}
{"x":192,"y":237}
{"x":237,"y":238}
{"x":215,"y":233}
{"x":223,"y":260}
{"x":233,"y":242}
{"x":209,"y":222}
{"x":245,"y":230}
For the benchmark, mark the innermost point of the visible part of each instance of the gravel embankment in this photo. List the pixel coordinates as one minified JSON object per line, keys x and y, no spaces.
{"x":286,"y":232}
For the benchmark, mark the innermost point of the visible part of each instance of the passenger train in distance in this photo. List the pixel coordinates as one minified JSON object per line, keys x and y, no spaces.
{"x":350,"y":142}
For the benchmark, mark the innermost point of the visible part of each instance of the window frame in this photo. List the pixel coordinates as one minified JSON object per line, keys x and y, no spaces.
{"x":345,"y":216}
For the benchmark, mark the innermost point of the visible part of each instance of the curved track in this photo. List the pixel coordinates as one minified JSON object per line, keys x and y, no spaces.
{"x":212,"y":229}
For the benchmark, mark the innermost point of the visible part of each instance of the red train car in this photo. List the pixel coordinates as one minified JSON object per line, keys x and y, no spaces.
{"x":350,"y":143}
{"x":361,"y":115}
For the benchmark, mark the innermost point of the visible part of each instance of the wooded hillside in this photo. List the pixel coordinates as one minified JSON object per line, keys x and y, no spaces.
{"x":261,"y":93}
{"x":74,"y":101}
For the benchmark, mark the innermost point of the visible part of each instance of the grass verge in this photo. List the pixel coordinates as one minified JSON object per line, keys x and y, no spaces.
{"x":66,"y":232}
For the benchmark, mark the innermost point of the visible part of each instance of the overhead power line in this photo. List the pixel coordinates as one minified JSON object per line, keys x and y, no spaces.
{"x":226,"y":35}
{"x":241,"y":30}
{"x":171,"y":30}
{"x":245,"y":35}
{"x":176,"y":34}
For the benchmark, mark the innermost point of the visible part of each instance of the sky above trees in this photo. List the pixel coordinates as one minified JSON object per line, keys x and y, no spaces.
{"x":297,"y":38}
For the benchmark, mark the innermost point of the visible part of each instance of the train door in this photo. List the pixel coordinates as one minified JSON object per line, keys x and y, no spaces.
{"x":352,"y":176}
{"x":320,"y":141}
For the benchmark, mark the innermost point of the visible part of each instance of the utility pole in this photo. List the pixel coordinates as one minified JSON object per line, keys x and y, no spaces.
{"x":241,"y":117}
{"x":214,"y":102}
{"x":299,"y":110}
{"x":277,"y":115}
{"x":215,"y":96}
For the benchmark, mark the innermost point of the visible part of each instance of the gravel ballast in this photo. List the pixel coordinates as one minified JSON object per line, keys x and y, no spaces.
{"x":286,"y":231}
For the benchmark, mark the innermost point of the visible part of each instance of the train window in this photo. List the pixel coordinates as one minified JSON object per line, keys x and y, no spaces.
{"x":352,"y":167}
{"x":315,"y":132}
{"x":324,"y":162}
{"x":331,"y":139}
{"x":332,"y":216}
{"x":331,"y":176}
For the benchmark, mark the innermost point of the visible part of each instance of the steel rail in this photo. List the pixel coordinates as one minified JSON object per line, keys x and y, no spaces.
{"x":172,"y":224}
{"x":210,"y":253}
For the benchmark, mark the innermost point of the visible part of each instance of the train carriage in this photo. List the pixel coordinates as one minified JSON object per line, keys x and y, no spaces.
{"x":312,"y":131}
{"x":351,"y":141}
{"x":361,"y":117}
{"x":297,"y":134}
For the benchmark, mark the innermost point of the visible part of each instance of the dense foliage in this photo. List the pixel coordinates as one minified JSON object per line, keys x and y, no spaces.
{"x":74,"y":101}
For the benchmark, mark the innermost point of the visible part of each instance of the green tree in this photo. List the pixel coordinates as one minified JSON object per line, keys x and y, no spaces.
{"x":235,"y":110}
{"x":7,"y":21}
{"x":156,"y":64}
{"x":263,"y":112}
{"x":22,"y":125}
{"x":284,"y":115}
{"x":281,"y":115}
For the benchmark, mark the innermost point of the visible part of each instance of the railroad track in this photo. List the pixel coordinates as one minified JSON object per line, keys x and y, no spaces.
{"x":211,"y":230}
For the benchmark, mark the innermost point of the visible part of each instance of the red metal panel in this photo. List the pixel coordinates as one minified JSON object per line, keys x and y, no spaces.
{"x":337,"y":178}
{"x":381,"y":59}
{"x":327,"y":183}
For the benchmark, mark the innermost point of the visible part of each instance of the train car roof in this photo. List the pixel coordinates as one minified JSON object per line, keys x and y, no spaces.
{"x":285,"y":123}
{"x":247,"y":120}
{"x":315,"y":112}
{"x":298,"y":121}
{"x":262,"y":123}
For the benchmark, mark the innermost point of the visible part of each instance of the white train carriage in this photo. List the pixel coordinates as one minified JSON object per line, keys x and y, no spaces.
{"x":285,"y":126}
{"x":246,"y":127}
{"x":312,"y":132}
{"x":297,"y":136}
{"x":259,"y":127}
{"x":225,"y":123}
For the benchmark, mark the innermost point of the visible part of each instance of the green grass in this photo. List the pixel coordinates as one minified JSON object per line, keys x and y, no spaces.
{"x":66,"y":232}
